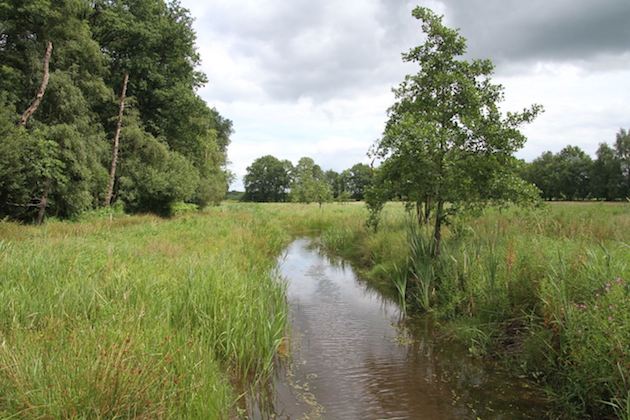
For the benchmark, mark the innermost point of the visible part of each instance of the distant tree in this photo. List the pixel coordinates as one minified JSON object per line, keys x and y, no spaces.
{"x":622,"y":149}
{"x":235,"y":195}
{"x":309,"y":183}
{"x":267,"y":180}
{"x":358,"y":179}
{"x":606,"y":176}
{"x":446,"y":130}
{"x":334,"y":182}
{"x":322,"y":192}
{"x":573,"y":168}
{"x":543,"y":173}
{"x":344,"y":182}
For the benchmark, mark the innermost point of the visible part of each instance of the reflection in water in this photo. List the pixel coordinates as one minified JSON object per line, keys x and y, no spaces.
{"x":351,"y":356}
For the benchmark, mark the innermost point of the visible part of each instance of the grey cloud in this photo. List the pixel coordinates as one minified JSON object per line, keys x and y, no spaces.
{"x":324,"y":49}
{"x":535,"y":30}
{"x":310,"y":49}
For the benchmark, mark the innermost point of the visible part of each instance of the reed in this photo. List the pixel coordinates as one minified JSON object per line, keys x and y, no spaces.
{"x":138,"y":316}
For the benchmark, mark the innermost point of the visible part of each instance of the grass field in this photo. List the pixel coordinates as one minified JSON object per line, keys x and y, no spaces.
{"x":137,"y":316}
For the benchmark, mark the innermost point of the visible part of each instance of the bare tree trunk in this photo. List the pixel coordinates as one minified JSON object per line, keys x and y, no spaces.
{"x":42,"y":88}
{"x":43,"y":202}
{"x":427,"y":210}
{"x":419,"y":216}
{"x":112,"y":170}
{"x":437,"y":234}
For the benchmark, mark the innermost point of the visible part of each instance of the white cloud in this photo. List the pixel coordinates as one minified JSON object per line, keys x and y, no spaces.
{"x":305,"y":78}
{"x":581,"y":108}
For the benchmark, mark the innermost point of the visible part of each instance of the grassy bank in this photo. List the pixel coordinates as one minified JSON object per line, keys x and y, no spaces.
{"x":147,"y":317}
{"x":137,"y":316}
{"x":546,"y":290}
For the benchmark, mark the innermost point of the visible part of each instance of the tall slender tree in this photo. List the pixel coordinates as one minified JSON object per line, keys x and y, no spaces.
{"x":115,"y":146}
{"x":451,"y":143}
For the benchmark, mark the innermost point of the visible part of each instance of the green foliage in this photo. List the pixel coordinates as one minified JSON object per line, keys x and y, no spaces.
{"x":336,"y":182}
{"x":235,"y":195}
{"x":566,"y":175}
{"x":358,"y":180}
{"x":154,"y":177}
{"x":27,"y":160}
{"x":309,"y":183}
{"x":607,"y":175}
{"x":446,"y":140}
{"x":622,"y":150}
{"x":95,"y":43}
{"x":270,"y":180}
{"x":180,"y":208}
{"x":267,"y":180}
{"x":572,"y":175}
{"x":379,"y":192}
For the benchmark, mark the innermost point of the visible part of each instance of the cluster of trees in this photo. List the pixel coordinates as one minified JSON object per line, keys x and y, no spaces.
{"x":269,"y":179}
{"x":571,"y":174}
{"x":98,"y":104}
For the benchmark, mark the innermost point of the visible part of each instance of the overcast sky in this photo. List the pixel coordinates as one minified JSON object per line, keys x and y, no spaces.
{"x":314,"y":78}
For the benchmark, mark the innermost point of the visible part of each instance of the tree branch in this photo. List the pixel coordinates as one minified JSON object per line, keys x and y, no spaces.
{"x":42,"y":88}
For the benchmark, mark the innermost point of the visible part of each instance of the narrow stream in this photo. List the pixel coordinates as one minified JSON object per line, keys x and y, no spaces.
{"x":350,"y":356}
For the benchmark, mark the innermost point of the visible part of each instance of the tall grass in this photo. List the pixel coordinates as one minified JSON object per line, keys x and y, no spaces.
{"x":138,"y":316}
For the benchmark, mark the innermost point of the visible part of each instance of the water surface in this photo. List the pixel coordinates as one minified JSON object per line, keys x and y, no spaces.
{"x":351,"y":356}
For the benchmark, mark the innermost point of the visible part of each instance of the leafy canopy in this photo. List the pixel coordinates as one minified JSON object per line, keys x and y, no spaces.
{"x":268,"y":180}
{"x":173,"y":147}
{"x":446,"y":140}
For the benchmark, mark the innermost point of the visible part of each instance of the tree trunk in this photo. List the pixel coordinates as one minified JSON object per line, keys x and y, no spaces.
{"x":437,"y":233}
{"x":427,"y":210}
{"x":43,"y":202}
{"x":419,"y":215}
{"x":42,"y":88}
{"x":112,"y":170}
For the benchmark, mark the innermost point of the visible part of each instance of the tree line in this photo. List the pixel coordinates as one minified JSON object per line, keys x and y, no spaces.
{"x":98,"y":105}
{"x":571,"y":174}
{"x":269,"y":179}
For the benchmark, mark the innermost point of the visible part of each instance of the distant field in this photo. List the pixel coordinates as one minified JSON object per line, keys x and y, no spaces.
{"x":142,"y":316}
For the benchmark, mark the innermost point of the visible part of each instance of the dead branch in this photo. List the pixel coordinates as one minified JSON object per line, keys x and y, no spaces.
{"x":112,"y":170}
{"x":42,"y":88}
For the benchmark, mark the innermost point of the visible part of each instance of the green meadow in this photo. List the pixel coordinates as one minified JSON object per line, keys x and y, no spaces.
{"x":117,"y":316}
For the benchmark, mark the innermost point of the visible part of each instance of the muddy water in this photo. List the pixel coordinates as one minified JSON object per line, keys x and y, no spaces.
{"x":350,"y":356}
